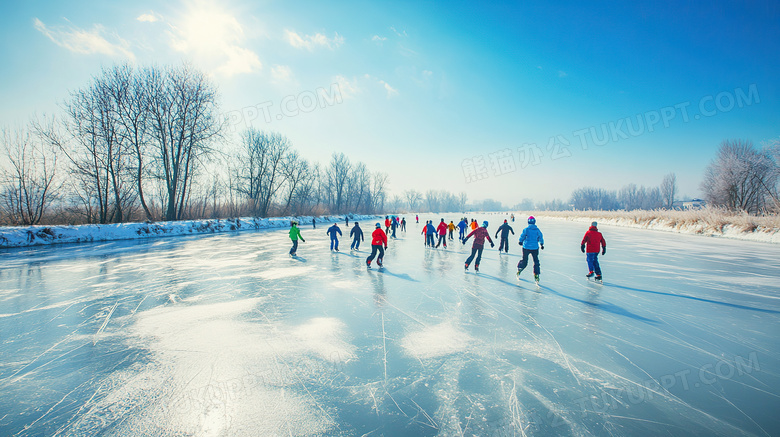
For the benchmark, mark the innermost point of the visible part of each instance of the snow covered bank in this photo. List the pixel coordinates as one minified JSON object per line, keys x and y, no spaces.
{"x":45,"y":235}
{"x":707,"y":222}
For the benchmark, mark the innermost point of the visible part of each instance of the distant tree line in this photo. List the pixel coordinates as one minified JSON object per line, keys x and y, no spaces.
{"x":741,"y":177}
{"x":630,"y":197}
{"x":149,"y":144}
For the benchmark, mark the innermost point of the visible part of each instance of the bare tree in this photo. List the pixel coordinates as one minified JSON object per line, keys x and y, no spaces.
{"x":262,"y":168}
{"x":462,"y":199}
{"x":413,"y":198}
{"x":183,"y":121}
{"x":589,"y":198}
{"x":669,"y":190}
{"x":378,"y":192}
{"x":740,"y":177}
{"x":337,"y":176}
{"x":94,"y":149}
{"x":432,"y":200}
{"x":28,"y":179}
{"x":631,"y":197}
{"x":128,"y":91}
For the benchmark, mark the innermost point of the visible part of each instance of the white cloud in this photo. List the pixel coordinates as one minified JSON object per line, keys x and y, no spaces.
{"x":402,"y":33}
{"x":427,"y":73}
{"x":214,"y":37}
{"x":310,"y":42}
{"x":149,"y":18}
{"x":86,"y":42}
{"x":348,"y":88}
{"x":378,"y":38}
{"x":281,"y":74}
{"x":391,"y":92}
{"x":562,"y":73}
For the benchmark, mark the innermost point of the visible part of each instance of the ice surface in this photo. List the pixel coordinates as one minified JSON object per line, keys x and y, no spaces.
{"x":225,"y":334}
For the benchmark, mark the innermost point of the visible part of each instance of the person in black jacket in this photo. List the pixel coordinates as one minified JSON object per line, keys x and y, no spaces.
{"x":504,"y":229}
{"x":357,"y":236}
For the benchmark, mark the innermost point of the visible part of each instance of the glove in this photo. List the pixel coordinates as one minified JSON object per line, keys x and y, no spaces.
{"x":492,"y":245}
{"x":542,"y":246}
{"x":385,"y":247}
{"x":604,"y":251}
{"x":303,"y":240}
{"x":582,"y":248}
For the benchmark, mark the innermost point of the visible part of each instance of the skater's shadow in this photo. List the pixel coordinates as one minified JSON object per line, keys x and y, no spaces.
{"x":511,"y":284}
{"x":403,"y":276}
{"x":605,"y":306}
{"x":700,"y":299}
{"x":299,"y":258}
{"x":347,"y":254}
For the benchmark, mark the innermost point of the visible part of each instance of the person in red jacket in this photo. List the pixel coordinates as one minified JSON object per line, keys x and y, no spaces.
{"x":378,"y":239}
{"x":387,"y":224}
{"x":442,"y":230}
{"x":593,"y":243}
{"x":479,"y":244}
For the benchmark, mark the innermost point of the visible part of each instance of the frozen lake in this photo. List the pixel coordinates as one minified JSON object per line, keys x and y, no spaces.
{"x":226,"y":335}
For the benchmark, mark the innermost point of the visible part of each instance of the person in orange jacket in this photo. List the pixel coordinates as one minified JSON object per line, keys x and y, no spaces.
{"x":451,"y":228}
{"x":378,"y":239}
{"x":474,"y":225}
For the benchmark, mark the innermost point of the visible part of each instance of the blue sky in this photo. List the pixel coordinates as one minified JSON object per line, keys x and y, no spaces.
{"x":441,"y":95}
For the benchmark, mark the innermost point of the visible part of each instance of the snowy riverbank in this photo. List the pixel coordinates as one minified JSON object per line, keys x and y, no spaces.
{"x":46,"y":235}
{"x":711,"y":223}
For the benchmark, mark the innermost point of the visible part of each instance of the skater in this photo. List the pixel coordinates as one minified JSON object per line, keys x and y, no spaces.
{"x":387,"y":224}
{"x":532,"y":240}
{"x":473,"y":225}
{"x":295,"y":235}
{"x":417,"y":218}
{"x":442,"y":230}
{"x":505,"y":229}
{"x":592,"y":242}
{"x":428,"y":230}
{"x":462,"y":225}
{"x":394,"y":225}
{"x":313,"y":224}
{"x":450,"y":228}
{"x":357,"y":236}
{"x":513,"y":218}
{"x":378,"y":239}
{"x":347,"y":220}
{"x":479,"y":244}
{"x":403,"y":224}
{"x":334,"y":232}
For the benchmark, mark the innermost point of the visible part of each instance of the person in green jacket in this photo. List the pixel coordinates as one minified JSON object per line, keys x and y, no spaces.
{"x":295,"y":234}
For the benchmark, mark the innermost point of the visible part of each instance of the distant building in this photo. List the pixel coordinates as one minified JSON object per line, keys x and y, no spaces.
{"x":690,"y":204}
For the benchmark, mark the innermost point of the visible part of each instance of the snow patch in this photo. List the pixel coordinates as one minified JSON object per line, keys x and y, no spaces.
{"x":11,"y":236}
{"x":436,"y":341}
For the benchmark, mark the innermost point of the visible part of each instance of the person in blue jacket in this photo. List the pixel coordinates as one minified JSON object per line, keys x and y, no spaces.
{"x":462,"y":225}
{"x":357,"y":236}
{"x":334,"y":232}
{"x":532,"y":240}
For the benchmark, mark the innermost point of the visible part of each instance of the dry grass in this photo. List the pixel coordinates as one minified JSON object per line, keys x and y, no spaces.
{"x":704,"y":220}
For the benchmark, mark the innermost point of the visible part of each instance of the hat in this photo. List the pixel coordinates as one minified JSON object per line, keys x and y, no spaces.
{"x":594,"y":224}
{"x":485,"y":224}
{"x":378,"y":225}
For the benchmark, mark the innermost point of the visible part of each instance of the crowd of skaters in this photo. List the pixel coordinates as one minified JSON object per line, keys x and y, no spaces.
{"x":531,"y":239}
